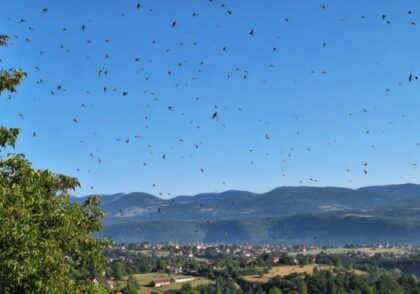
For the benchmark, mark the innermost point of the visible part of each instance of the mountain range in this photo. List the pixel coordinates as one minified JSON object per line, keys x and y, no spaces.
{"x":288,"y":215}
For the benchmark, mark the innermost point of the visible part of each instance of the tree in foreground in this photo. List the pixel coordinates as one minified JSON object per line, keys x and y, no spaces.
{"x":45,"y":240}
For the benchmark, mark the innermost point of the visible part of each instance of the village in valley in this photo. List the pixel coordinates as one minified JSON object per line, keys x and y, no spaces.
{"x":172,"y":267}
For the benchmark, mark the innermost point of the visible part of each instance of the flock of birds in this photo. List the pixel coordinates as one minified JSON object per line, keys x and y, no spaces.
{"x":215,"y":112}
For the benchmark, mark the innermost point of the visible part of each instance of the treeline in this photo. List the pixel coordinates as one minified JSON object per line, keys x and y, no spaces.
{"x":377,"y":281}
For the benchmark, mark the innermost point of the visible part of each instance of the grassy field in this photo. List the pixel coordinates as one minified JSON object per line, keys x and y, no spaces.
{"x":144,"y":281}
{"x":290,"y":269}
{"x":157,"y":253}
{"x":284,"y":271}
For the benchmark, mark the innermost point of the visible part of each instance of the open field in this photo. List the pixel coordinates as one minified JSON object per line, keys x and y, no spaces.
{"x":197,"y":282}
{"x":144,"y":281}
{"x":157,"y":253}
{"x":290,"y":269}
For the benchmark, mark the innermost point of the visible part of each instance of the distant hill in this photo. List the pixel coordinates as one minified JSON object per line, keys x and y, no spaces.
{"x":326,"y":215}
{"x":337,"y":228}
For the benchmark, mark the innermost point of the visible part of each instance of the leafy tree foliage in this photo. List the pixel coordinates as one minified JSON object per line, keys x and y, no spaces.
{"x":117,"y":270}
{"x":132,"y":286}
{"x":11,"y":78}
{"x":44,"y":238}
{"x":274,"y":290}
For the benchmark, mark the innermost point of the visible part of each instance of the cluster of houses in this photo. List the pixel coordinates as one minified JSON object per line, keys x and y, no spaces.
{"x":162,"y":282}
{"x":202,"y":250}
{"x":205,"y":250}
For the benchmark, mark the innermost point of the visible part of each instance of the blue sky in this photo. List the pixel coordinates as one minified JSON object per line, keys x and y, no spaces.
{"x":327,"y":64}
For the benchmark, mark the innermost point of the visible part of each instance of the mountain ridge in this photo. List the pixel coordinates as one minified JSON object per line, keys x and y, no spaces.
{"x":289,"y":211}
{"x":379,"y":187}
